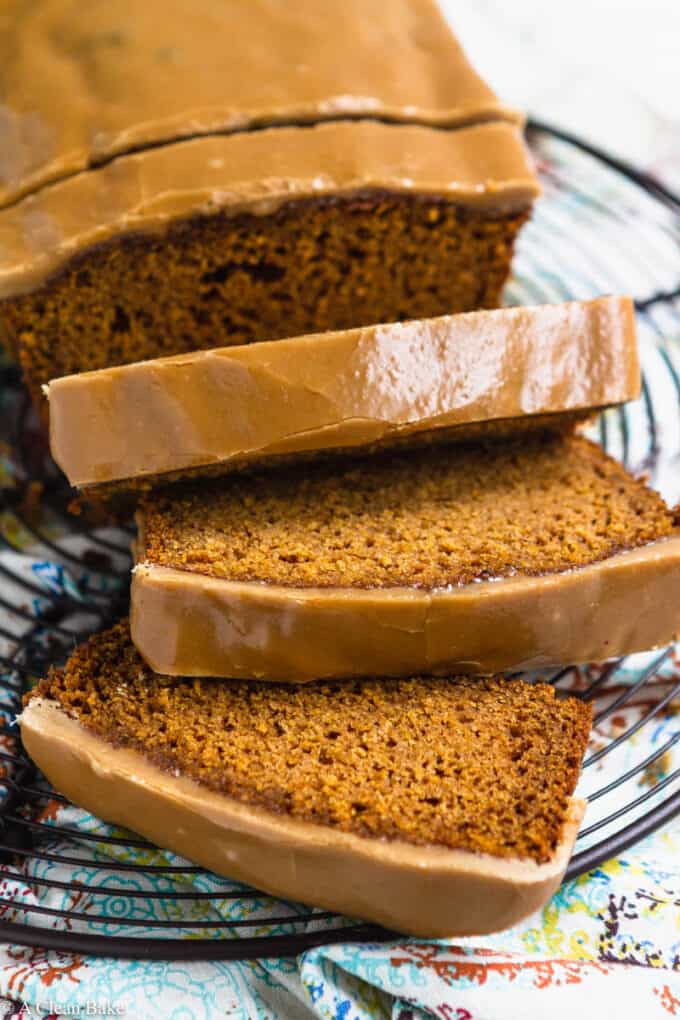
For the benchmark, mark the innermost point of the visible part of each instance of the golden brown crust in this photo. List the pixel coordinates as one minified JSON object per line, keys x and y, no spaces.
{"x":368,"y":387}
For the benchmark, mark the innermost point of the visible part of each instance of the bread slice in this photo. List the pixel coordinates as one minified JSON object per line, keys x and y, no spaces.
{"x":435,"y":807}
{"x":212,"y":411}
{"x":477,"y":559}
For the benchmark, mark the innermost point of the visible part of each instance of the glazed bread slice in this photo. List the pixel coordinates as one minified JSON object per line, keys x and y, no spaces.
{"x":478,"y":559}
{"x":84,"y":83}
{"x":258,"y":236}
{"x":210,"y":412}
{"x":435,"y":807}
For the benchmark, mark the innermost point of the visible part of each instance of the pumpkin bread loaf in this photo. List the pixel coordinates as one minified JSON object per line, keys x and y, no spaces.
{"x":474,"y":558}
{"x":178,"y":177}
{"x":350,"y":782}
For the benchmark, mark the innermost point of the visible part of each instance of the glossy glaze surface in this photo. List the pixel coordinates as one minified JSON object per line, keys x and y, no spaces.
{"x":82,"y":82}
{"x":346,"y":389}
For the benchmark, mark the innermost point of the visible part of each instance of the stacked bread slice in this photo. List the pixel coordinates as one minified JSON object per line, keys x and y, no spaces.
{"x":270,"y":322}
{"x":428,"y":509}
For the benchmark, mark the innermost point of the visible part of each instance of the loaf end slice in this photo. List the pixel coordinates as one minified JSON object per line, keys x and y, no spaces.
{"x":435,"y":807}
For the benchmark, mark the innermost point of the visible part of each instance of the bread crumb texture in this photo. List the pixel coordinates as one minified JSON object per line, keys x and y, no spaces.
{"x":442,"y":517}
{"x":481,"y":765}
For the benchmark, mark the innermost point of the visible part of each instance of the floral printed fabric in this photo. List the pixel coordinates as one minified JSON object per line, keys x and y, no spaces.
{"x":610,"y":939}
{"x":607,"y":945}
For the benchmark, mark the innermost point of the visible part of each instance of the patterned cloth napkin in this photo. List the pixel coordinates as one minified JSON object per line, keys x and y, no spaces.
{"x":607,"y":945}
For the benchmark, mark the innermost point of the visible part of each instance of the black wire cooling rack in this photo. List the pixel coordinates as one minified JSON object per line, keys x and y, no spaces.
{"x":601,"y":227}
